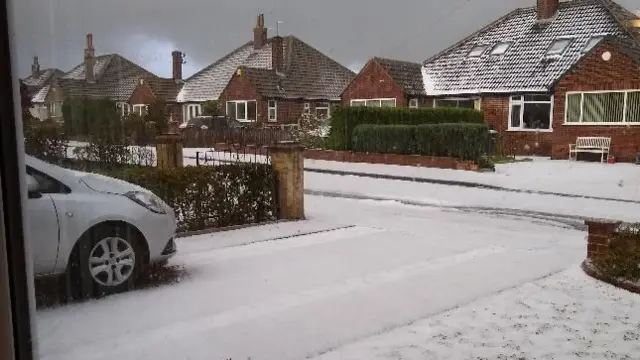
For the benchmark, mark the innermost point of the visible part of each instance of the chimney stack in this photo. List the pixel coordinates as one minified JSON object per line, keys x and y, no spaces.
{"x":177,"y":64}
{"x":277,"y":54}
{"x":259,"y":33}
{"x":547,"y":9}
{"x":89,"y":59}
{"x":35,"y":68}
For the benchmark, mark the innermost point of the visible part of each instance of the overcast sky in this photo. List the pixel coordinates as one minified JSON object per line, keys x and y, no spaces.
{"x":146,"y":31}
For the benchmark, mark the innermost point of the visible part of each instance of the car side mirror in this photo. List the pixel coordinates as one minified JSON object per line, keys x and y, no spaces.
{"x":33,"y":187}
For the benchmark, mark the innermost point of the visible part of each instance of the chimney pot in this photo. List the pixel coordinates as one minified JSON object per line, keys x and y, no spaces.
{"x":546,"y":9}
{"x":177,"y":60}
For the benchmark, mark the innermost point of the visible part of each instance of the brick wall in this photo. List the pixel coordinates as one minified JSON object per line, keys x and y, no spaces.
{"x":373,"y":82}
{"x":390,"y":159}
{"x":142,"y":94}
{"x":593,"y":73}
{"x":496,"y":114}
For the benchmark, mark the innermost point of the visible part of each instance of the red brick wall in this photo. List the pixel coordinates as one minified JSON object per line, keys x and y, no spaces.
{"x":496,"y":114}
{"x":593,"y":73}
{"x":373,"y":82}
{"x":142,"y":94}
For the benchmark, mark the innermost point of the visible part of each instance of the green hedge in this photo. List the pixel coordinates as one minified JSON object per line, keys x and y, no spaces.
{"x":205,"y":196}
{"x":623,"y":255}
{"x":345,"y":119}
{"x":462,"y":141}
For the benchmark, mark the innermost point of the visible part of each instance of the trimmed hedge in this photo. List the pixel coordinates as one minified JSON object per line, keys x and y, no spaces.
{"x":461,"y":141}
{"x":344,"y":120}
{"x":622,"y":259}
{"x":205,"y":196}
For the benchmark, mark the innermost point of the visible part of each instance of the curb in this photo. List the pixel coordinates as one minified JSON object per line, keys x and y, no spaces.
{"x":592,"y":272}
{"x":461,"y":183}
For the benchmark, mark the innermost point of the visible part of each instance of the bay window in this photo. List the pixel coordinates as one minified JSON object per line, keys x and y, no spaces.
{"x":55,"y":109}
{"x":191,"y":111}
{"x":242,"y":110}
{"x":603,"y":107}
{"x":123,"y":108}
{"x":306,"y":110}
{"x":374,"y":102}
{"x":140,"y":109}
{"x":530,"y":112}
{"x":272,"y":107}
{"x":322,"y":110}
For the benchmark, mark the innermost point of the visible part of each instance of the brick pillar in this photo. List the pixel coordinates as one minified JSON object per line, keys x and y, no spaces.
{"x":600,"y":232}
{"x":169,"y":151}
{"x":288,"y":162}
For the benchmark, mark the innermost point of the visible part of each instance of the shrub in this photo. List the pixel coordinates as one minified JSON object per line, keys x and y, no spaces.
{"x":622,"y":260}
{"x":462,"y":141}
{"x":210,"y":196}
{"x":388,"y":139}
{"x":44,"y":139}
{"x":345,"y":119}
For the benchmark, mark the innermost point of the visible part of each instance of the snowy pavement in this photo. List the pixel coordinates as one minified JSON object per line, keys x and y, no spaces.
{"x":384,"y":265}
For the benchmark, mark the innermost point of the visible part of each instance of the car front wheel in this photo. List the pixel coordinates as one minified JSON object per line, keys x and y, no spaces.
{"x":107,"y":260}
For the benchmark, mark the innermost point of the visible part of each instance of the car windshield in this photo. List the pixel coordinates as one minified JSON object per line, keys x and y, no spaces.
{"x":320,"y":180}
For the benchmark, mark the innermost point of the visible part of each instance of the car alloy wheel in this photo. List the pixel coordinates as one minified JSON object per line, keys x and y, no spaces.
{"x":112,"y":261}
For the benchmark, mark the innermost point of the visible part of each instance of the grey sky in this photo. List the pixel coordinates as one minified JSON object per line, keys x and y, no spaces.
{"x":145,"y":31}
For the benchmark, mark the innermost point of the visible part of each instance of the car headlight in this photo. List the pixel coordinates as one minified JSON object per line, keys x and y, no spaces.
{"x":147,"y":200}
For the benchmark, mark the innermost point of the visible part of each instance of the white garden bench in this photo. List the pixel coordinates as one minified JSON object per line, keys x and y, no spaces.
{"x":593,"y":145}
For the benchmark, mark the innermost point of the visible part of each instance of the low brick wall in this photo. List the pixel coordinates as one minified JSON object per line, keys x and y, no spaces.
{"x":600,"y":234}
{"x":390,"y":159}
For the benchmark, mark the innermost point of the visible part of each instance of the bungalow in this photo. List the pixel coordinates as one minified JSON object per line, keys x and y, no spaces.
{"x":42,"y":87}
{"x":387,"y":82}
{"x":269,"y":80}
{"x":548,"y":74}
{"x":106,"y":76}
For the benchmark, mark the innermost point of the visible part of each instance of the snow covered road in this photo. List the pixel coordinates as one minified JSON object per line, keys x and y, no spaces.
{"x":265,"y":293}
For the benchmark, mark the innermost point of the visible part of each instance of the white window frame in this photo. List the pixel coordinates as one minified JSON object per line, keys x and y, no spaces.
{"x":477,"y":102}
{"x":477,"y":46}
{"x":395,"y":103}
{"x":564,"y":49}
{"x":269,"y":109}
{"x":246,"y":109}
{"x":522,"y":102}
{"x":53,"y":105}
{"x":580,"y":123}
{"x":140,"y":109}
{"x":505,"y":43}
{"x":306,"y":108}
{"x":123,"y":108}
{"x":414,"y":103}
{"x":197,"y":110}
{"x":586,"y":48}
{"x":323,"y":106}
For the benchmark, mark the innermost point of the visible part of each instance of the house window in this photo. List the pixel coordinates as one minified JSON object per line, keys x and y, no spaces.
{"x":500,"y":48}
{"x":140,"y":109}
{"x":273,"y":110}
{"x":374,"y":102}
{"x":55,"y":109}
{"x":306,"y":110}
{"x":413,"y":103}
{"x":123,"y":108}
{"x":558,"y":47}
{"x":243,"y":110}
{"x":192,"y":110}
{"x":603,"y":107}
{"x":530,"y":112}
{"x":322,"y":110}
{"x":591,"y":43}
{"x":464,"y":103}
{"x":477,"y":51}
{"x":43,"y":112}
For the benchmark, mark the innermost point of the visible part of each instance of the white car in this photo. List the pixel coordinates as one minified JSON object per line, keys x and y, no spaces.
{"x":99,"y":231}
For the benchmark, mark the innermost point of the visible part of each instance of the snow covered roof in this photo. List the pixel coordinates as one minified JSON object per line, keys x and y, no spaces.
{"x":525,"y":65}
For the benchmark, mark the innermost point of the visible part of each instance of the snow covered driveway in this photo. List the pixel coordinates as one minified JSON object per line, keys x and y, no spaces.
{"x":366,"y":267}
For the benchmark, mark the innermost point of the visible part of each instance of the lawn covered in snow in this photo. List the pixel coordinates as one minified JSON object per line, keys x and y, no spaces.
{"x":564,"y":316}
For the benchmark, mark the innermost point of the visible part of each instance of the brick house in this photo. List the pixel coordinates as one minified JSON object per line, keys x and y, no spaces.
{"x":106,"y":76}
{"x":547,"y":74}
{"x":151,"y":89}
{"x":44,"y":90}
{"x":387,"y":82}
{"x":269,"y":80}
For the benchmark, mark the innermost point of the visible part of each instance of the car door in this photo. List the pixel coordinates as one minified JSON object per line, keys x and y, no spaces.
{"x":43,"y":222}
